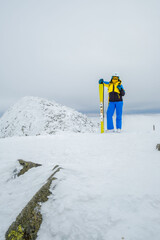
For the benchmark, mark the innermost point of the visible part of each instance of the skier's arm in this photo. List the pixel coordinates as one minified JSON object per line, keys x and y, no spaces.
{"x":106,"y":83}
{"x":121,"y":89}
{"x":122,"y":92}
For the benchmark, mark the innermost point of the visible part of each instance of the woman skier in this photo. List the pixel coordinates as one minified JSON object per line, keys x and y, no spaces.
{"x":115,"y":101}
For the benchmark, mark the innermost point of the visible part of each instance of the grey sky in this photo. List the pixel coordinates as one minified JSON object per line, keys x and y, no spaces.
{"x":59,"y":50}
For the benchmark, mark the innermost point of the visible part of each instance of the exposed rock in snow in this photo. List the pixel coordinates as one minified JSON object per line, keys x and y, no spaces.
{"x":158,"y":147}
{"x":26,"y":166}
{"x":29,"y":220}
{"x":37,"y":116}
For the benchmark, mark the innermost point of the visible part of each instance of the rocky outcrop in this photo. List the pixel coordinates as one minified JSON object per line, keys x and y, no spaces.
{"x":158,"y":147}
{"x":29,"y":220}
{"x":26,"y":166}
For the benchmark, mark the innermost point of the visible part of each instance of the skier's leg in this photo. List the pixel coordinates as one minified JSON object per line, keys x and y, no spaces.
{"x":110,"y":112}
{"x":119,"y":107}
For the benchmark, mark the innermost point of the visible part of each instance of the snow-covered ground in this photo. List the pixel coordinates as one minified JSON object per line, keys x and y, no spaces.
{"x":108,"y":187}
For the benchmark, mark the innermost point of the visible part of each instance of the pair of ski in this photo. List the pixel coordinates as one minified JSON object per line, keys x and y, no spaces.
{"x":101,"y":96}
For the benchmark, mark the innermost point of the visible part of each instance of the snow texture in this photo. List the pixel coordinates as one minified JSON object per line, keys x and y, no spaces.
{"x":37,"y":116}
{"x":108,"y":187}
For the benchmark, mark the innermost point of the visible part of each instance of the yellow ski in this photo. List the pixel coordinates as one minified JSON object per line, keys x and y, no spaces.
{"x":101,"y":96}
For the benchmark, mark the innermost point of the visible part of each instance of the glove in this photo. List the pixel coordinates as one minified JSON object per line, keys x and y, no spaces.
{"x":101,"y":81}
{"x":120,"y":87}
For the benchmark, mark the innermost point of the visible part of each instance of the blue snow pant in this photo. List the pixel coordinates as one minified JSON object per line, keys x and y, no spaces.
{"x":110,"y":111}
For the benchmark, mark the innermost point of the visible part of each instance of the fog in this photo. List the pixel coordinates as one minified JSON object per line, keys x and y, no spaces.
{"x":59,"y":50}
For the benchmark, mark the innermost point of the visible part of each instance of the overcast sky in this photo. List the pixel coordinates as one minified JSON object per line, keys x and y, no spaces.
{"x":59,"y":50}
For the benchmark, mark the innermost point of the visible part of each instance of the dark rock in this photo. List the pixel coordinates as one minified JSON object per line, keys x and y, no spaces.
{"x":158,"y":147}
{"x":29,"y":220}
{"x":26,"y":166}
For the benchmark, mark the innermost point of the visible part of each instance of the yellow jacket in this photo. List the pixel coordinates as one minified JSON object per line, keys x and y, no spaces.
{"x":113,"y":86}
{"x":115,"y":95}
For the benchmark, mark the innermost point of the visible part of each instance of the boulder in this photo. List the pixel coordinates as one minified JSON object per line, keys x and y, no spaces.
{"x":158,"y":147}
{"x":26,"y":166}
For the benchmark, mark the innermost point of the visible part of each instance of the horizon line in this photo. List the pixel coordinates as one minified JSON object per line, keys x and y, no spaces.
{"x":95,"y":112}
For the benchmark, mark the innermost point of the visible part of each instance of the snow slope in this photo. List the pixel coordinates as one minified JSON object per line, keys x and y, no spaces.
{"x":108,"y":188}
{"x":37,"y":116}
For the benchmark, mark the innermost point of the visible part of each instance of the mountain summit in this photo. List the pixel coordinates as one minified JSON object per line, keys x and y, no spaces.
{"x":37,"y":116}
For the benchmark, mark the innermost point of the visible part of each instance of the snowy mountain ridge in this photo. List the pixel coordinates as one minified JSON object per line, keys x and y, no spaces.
{"x":37,"y":116}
